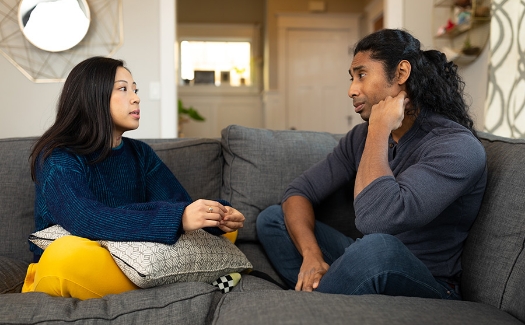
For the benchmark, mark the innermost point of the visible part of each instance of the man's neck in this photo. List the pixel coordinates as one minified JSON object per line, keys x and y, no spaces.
{"x":408,"y":122}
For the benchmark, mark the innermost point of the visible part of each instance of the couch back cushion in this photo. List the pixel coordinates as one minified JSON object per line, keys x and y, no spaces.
{"x":17,"y":198}
{"x":197,"y":164}
{"x":494,"y":256}
{"x":259,"y":165}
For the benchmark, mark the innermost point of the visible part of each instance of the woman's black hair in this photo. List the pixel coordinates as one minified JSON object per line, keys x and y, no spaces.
{"x":433,"y":84}
{"x":83,"y":121}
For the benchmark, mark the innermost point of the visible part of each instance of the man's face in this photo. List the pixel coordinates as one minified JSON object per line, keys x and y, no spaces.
{"x":370,"y":84}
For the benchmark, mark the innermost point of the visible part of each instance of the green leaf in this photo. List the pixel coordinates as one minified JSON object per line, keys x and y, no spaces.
{"x":190,"y":112}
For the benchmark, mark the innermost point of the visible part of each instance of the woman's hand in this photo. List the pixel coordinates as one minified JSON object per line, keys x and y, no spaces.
{"x":204,"y":213}
{"x":232,"y":220}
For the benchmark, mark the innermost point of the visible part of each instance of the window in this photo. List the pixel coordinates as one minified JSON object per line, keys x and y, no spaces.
{"x":213,"y":62}
{"x":219,"y":54}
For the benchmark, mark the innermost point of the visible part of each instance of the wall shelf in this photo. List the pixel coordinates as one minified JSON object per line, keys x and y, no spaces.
{"x":461,"y":32}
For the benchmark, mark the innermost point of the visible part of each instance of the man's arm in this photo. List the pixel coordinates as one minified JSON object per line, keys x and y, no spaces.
{"x":300,"y":222}
{"x":386,"y":116}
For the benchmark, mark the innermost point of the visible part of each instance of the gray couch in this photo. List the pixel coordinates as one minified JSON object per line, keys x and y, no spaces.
{"x":250,"y":168}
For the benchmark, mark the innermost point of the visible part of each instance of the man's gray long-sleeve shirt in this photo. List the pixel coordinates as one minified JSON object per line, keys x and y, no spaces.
{"x":431,"y":202}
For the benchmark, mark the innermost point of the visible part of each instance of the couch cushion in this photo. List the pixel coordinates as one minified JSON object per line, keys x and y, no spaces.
{"x":183,"y":303}
{"x":12,"y":275}
{"x":494,"y":256}
{"x":197,"y":164}
{"x":254,"y":283}
{"x":259,"y":165}
{"x":291,"y":307}
{"x":17,"y":198}
{"x":257,"y":256}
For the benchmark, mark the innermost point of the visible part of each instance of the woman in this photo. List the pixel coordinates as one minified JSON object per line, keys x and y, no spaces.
{"x":97,"y":184}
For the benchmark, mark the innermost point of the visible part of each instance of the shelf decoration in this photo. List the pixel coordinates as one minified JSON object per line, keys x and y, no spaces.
{"x":465,"y":30}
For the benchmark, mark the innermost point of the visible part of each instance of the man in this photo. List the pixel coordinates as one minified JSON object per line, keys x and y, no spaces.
{"x":419,"y":173}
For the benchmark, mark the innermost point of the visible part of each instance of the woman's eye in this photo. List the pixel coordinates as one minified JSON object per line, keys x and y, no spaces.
{"x":123,"y":88}
{"x":136,"y":91}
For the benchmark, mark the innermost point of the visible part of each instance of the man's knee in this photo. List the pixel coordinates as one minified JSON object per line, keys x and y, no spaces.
{"x":382,"y":248}
{"x":381,"y":240}
{"x":269,"y":217}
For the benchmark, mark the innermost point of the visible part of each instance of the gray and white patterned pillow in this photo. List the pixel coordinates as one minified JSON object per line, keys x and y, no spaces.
{"x":197,"y":256}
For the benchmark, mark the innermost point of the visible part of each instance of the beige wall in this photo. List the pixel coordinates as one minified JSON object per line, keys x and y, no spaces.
{"x":417,"y":19}
{"x":28,"y":109}
{"x":224,"y":11}
{"x":274,"y":7}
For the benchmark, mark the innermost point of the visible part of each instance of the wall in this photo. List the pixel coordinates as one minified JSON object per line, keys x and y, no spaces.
{"x":223,"y":11}
{"x":505,"y":114}
{"x":416,"y":18}
{"x":475,"y":75}
{"x":28,"y":109}
{"x":275,"y":7}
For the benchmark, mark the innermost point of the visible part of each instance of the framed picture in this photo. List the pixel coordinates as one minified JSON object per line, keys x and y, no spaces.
{"x":204,"y":77}
{"x":225,"y":77}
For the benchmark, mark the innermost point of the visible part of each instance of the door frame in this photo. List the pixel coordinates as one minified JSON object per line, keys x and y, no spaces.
{"x":276,"y":112}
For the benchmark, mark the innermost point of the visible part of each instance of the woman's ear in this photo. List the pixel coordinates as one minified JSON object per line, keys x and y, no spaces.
{"x":403,"y":72}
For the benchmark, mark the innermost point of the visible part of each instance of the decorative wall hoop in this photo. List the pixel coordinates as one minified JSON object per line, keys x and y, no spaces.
{"x":104,"y":37}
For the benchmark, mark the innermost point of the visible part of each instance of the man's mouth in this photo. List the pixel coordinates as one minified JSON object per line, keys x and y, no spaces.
{"x":359,"y":107}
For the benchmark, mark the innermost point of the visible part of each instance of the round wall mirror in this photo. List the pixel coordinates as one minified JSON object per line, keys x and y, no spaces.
{"x":54,"y":25}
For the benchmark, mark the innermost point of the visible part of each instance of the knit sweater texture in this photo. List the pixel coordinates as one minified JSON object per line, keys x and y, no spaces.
{"x":129,"y":196}
{"x":432,"y":200}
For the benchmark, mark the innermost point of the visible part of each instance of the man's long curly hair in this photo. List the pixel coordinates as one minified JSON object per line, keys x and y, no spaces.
{"x":434,"y":83}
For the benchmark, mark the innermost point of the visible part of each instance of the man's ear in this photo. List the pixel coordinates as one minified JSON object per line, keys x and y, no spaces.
{"x":403,"y":72}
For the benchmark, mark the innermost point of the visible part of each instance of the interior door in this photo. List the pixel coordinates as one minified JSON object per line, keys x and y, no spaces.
{"x":317,"y":80}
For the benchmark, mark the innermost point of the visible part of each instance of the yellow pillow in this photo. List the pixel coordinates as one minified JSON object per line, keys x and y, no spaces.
{"x":232,"y":236}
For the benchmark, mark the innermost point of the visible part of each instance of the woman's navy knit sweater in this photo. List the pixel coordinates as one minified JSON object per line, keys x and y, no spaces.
{"x":130,"y":196}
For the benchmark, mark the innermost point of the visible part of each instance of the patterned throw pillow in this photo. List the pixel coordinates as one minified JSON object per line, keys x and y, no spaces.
{"x":197,"y":256}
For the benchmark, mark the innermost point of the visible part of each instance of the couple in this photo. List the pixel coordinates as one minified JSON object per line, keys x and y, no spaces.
{"x":418,"y":167}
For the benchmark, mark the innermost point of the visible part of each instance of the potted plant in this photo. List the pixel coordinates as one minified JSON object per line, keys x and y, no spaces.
{"x":185,"y":115}
{"x":468,"y":49}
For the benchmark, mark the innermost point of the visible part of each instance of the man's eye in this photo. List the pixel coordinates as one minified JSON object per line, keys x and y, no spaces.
{"x":361,"y":75}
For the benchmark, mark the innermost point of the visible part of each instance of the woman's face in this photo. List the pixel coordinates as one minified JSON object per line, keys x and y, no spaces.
{"x":124,"y":103}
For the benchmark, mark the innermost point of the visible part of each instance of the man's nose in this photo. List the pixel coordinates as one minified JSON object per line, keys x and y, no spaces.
{"x":353,"y":90}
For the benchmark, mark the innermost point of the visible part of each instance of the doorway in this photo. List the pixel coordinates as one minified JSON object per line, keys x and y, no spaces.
{"x":315,"y":55}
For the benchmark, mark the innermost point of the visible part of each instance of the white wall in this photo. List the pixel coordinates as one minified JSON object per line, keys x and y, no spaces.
{"x":28,"y":109}
{"x":417,"y":19}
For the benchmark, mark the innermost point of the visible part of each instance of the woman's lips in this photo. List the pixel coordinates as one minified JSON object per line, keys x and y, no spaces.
{"x":135,"y":114}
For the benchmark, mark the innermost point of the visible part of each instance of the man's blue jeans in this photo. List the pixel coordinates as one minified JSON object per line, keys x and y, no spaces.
{"x":375,"y":264}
